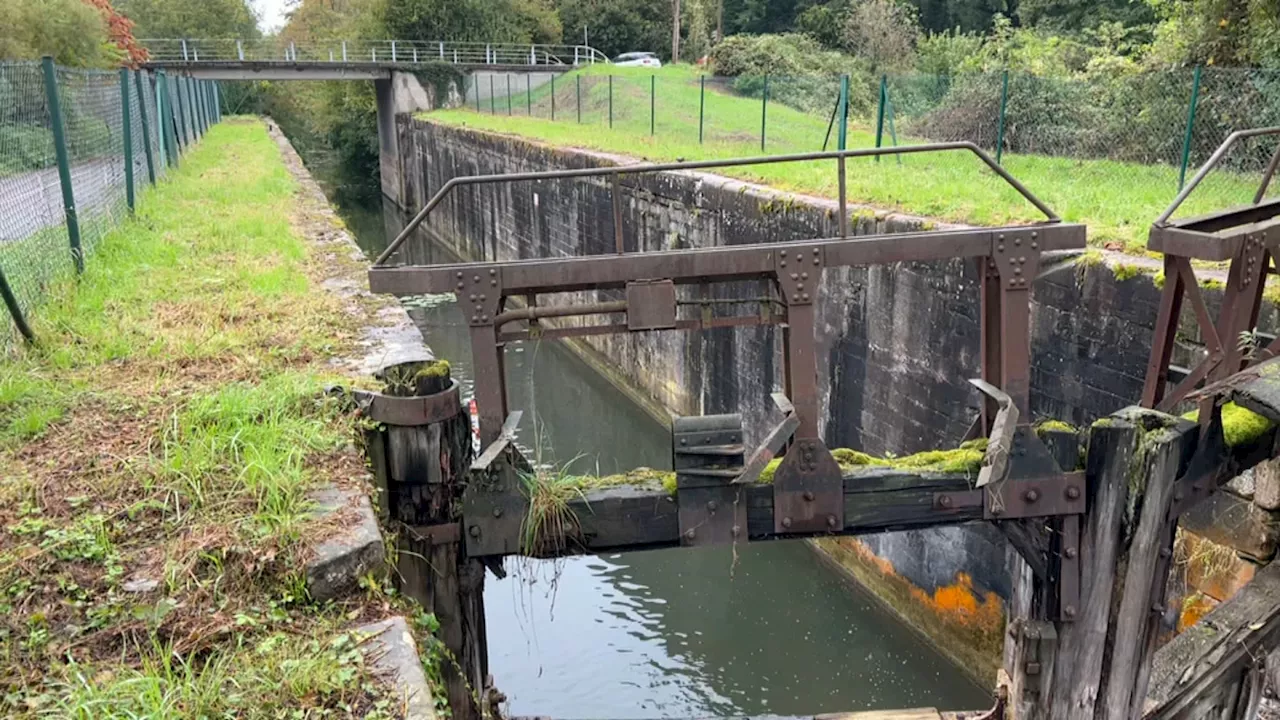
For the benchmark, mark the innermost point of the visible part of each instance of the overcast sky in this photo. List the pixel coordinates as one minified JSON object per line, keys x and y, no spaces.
{"x":270,"y":14}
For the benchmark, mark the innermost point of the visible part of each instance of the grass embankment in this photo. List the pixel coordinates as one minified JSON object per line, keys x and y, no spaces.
{"x":156,"y":454}
{"x":1118,"y":200}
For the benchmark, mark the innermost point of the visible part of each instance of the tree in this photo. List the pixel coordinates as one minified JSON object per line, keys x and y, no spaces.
{"x":883,"y":32}
{"x":120,"y":32}
{"x":512,"y":21}
{"x":1217,"y":32}
{"x":74,"y":33}
{"x":618,"y":26}
{"x":675,"y":31}
{"x":191,"y":18}
{"x":1067,"y":16}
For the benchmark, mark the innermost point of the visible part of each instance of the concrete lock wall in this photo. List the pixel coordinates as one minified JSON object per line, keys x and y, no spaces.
{"x":897,"y":341}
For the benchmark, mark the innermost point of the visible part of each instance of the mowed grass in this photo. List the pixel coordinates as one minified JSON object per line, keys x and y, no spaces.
{"x":156,"y":454}
{"x":1118,"y":200}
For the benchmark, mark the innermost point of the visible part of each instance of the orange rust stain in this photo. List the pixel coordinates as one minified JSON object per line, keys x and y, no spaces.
{"x":1194,"y":608}
{"x":958,"y":602}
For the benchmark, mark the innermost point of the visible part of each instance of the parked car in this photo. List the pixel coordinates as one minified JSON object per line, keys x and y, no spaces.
{"x":638,"y":59}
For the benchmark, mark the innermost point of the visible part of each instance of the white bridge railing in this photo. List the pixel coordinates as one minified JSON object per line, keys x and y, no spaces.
{"x":407,"y":52}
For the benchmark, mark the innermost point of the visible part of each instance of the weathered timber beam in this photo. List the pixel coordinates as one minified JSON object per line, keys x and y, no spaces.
{"x":876,"y":500}
{"x":1202,"y":669}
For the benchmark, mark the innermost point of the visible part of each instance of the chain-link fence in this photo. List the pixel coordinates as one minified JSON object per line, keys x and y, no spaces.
{"x":1111,"y":151}
{"x":76,"y":149}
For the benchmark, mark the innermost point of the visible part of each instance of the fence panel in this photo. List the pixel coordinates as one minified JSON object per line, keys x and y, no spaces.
{"x":35,"y":246}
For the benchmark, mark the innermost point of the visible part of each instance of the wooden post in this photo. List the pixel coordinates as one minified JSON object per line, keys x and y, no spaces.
{"x":1098,"y":665}
{"x":423,"y":468}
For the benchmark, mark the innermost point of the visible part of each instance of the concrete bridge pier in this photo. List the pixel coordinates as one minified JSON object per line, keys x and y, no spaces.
{"x":398,"y":94}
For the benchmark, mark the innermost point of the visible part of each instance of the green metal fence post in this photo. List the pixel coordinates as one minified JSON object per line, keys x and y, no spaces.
{"x":884,"y":91}
{"x":764,"y":110}
{"x":610,"y":101}
{"x":528,"y":94}
{"x":162,"y":136}
{"x":508,"y":94}
{"x":477,"y":89}
{"x":129,"y":192}
{"x":578,"y":91}
{"x":1004,"y":106}
{"x":493,"y":108}
{"x":1191,"y":123}
{"x":893,"y":128}
{"x":842,"y":136}
{"x":202,"y":96}
{"x":146,"y":127}
{"x":653,"y":88}
{"x":702,"y":104}
{"x":64,"y":160}
{"x":192,"y":113}
{"x":169,"y":119}
{"x":11,"y":302}
{"x":553,"y":96}
{"x":180,"y":117}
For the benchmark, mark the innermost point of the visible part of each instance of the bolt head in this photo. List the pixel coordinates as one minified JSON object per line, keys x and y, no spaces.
{"x":831,"y":521}
{"x":808,"y":495}
{"x":1166,"y":553}
{"x":1032,"y":495}
{"x":1071,"y":553}
{"x":712,"y":506}
{"x":475,"y":278}
{"x":1073,"y":492}
{"x":1069,"y":611}
{"x":786,"y":522}
{"x":735,"y":531}
{"x":945,"y":501}
{"x":1017,"y":241}
{"x":475,"y":531}
{"x":459,"y":274}
{"x":690,"y":534}
{"x":493,"y":272}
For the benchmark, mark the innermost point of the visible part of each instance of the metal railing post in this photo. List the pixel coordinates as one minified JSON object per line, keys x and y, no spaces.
{"x":184,"y":51}
{"x":1191,"y":123}
{"x":344,"y":51}
{"x":415,"y":55}
{"x":533,"y":55}
{"x":146,"y":127}
{"x":442,"y":51}
{"x":64,"y":160}
{"x":240,"y":50}
{"x":127,"y":131}
{"x":393,"y":51}
{"x":884,"y":88}
{"x":293,"y":52}
{"x":1004,"y":106}
{"x":488,"y":55}
{"x":702,"y":104}
{"x":653,"y":88}
{"x":764,"y":111}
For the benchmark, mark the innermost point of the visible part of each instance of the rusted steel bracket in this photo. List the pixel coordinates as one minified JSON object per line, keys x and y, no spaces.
{"x":773,"y":443}
{"x":995,"y":466}
{"x":707,"y":455}
{"x":409,"y":411}
{"x":495,"y":502}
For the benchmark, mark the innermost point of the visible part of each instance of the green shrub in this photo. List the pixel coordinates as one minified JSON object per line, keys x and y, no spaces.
{"x":802,"y":74}
{"x":25,"y":147}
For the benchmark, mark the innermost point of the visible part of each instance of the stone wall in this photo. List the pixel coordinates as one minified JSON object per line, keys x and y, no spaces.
{"x":899,"y":340}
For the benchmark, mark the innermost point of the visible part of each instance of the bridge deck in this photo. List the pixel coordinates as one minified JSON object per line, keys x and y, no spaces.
{"x":321,"y":70}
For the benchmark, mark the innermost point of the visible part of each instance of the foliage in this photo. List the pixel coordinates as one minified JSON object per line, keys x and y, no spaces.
{"x":74,"y":33}
{"x":882,"y":32}
{"x":26,"y":147}
{"x":1068,"y":16}
{"x":804,"y":71}
{"x":1217,"y":32}
{"x":618,"y":26}
{"x":191,"y":18}
{"x":120,"y":31}
{"x":511,"y":21}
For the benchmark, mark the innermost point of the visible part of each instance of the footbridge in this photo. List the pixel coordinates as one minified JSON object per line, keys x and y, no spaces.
{"x":1093,"y":514}
{"x":392,"y":65}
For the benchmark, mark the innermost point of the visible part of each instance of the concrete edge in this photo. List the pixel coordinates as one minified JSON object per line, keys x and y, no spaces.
{"x":392,"y":652}
{"x":353,"y":550}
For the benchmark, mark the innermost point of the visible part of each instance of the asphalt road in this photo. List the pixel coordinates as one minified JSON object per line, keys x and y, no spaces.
{"x":32,"y":201}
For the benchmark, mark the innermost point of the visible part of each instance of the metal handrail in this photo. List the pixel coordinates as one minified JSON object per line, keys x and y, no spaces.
{"x":1216,"y":158}
{"x":618,"y":171}
{"x":191,"y":51}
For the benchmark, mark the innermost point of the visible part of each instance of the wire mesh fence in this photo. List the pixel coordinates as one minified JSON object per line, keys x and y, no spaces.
{"x":76,"y":149}
{"x":1128,"y":140}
